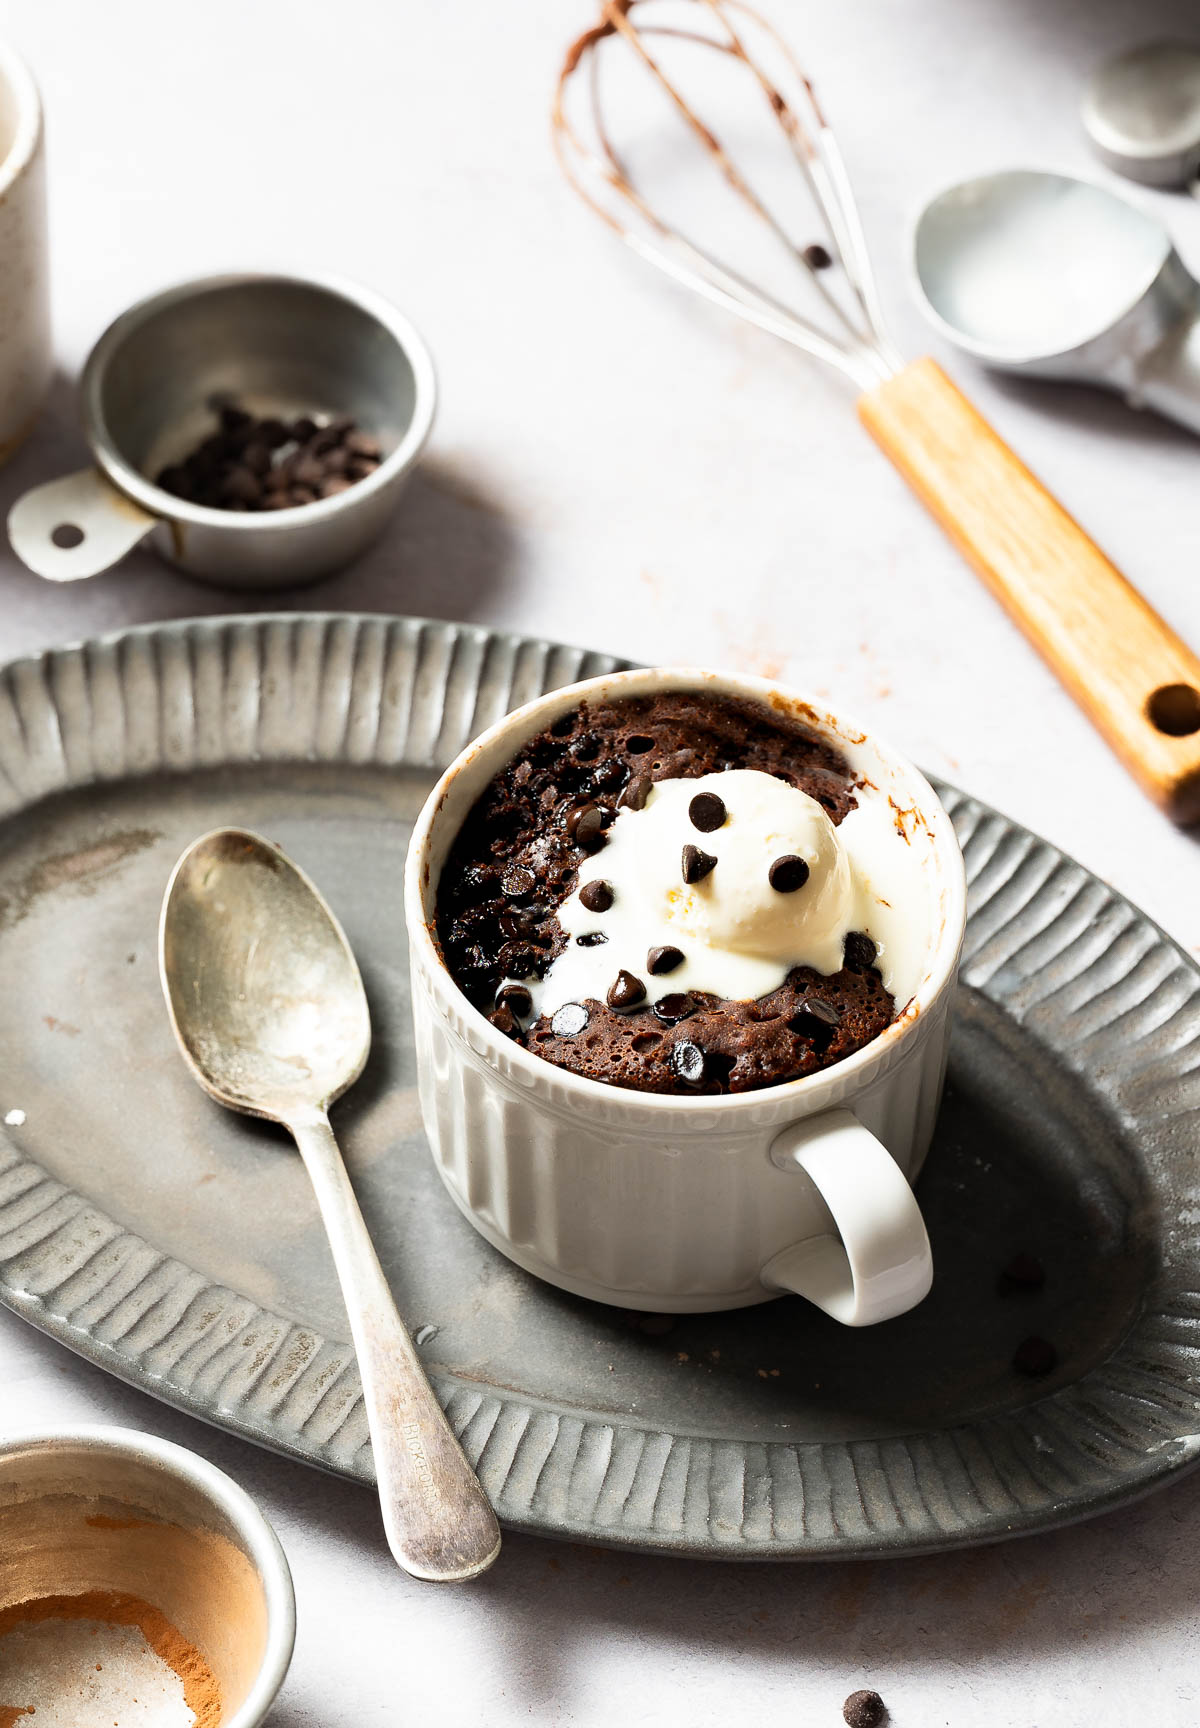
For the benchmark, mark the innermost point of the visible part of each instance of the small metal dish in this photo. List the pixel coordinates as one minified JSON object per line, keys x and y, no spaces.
{"x":277,"y":345}
{"x":111,"y":1510}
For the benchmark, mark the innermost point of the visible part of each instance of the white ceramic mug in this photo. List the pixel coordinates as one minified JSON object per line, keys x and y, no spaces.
{"x":26,"y":359}
{"x":680,"y":1204}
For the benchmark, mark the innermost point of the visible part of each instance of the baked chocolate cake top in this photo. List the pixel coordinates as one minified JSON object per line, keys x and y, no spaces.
{"x":547,"y":818}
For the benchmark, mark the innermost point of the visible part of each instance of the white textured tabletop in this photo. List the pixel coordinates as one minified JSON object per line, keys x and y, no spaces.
{"x":616,"y":465}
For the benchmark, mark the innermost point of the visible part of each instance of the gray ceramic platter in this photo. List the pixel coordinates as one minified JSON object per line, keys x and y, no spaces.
{"x":178,"y":1246}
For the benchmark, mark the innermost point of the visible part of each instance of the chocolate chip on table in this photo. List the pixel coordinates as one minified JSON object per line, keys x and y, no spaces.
{"x":696,"y":864}
{"x":516,"y":999}
{"x":1023,"y":1272}
{"x":675,"y":1007}
{"x":627,"y":992}
{"x":859,"y":952}
{"x":636,"y":793}
{"x":570,"y":1020}
{"x":816,"y":256}
{"x":788,"y":873}
{"x":596,"y":896}
{"x":865,"y":1709}
{"x":706,"y":812}
{"x":687,"y":1061}
{"x":665,"y":959}
{"x":1034,"y":1357}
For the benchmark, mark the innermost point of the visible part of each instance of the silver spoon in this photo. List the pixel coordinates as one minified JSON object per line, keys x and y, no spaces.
{"x":268,"y":1007}
{"x":1053,"y":277}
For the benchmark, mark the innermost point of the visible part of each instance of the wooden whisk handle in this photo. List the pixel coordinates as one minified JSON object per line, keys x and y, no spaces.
{"x":1129,"y":672}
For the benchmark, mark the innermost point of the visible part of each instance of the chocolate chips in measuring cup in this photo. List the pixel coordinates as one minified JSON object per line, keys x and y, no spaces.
{"x":253,"y":464}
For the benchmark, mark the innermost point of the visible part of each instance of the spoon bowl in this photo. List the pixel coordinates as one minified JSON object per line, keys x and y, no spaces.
{"x":264,"y":992}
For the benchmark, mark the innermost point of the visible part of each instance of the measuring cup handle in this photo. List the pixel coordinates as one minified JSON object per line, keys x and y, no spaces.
{"x":75,"y":526}
{"x":1128,"y":671}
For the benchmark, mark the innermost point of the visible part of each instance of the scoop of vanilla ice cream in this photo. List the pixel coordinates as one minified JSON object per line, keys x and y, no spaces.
{"x":735,"y":907}
{"x":739,"y":935}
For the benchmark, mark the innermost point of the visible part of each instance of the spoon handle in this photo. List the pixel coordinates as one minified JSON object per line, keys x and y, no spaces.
{"x":439,"y":1523}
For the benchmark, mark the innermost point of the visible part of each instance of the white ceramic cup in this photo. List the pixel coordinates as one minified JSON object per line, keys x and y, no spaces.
{"x":679,"y":1204}
{"x":26,"y":359}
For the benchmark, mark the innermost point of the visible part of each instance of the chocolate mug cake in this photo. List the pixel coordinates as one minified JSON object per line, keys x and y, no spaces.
{"x":680,"y":892}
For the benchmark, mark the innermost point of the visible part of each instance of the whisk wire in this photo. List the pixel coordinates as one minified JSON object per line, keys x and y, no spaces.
{"x":863,"y":354}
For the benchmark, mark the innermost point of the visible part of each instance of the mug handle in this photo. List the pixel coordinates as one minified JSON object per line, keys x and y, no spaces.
{"x":879,"y":1263}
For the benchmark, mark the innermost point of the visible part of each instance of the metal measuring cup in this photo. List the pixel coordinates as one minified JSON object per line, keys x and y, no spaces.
{"x":280,"y":346}
{"x":1054,"y":277}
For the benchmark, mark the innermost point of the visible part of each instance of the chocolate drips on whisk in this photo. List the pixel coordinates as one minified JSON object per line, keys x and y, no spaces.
{"x":855,"y":342}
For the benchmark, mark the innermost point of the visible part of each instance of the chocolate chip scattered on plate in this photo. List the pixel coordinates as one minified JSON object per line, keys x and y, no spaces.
{"x":1035,"y":1357}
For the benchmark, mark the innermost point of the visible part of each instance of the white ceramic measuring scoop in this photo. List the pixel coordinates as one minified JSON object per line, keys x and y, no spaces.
{"x":1054,"y":277}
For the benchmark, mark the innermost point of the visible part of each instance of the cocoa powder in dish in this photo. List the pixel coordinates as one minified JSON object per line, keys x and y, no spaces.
{"x":109,"y":1608}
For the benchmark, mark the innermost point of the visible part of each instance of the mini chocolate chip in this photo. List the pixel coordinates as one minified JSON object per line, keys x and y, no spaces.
{"x":687,"y":1060}
{"x":504,"y":1022}
{"x":586,"y":747}
{"x":596,"y":896}
{"x":1023,"y":1272}
{"x":570,"y":1019}
{"x":660,"y":960}
{"x":696,"y":864}
{"x":591,"y":939}
{"x":823,"y":1011}
{"x":788,"y":873}
{"x":362,"y":444}
{"x":636,"y":793}
{"x":706,"y":812}
{"x":865,"y":1709}
{"x":515,"y":959}
{"x":859,"y":952}
{"x":586,"y":827}
{"x":627,"y":992}
{"x":1035,"y":1357}
{"x":516,"y":999}
{"x":517,"y":881}
{"x":816,"y":256}
{"x":677,"y":1006}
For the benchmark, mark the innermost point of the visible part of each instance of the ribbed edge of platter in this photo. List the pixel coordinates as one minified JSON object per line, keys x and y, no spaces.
{"x":1062,"y":954}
